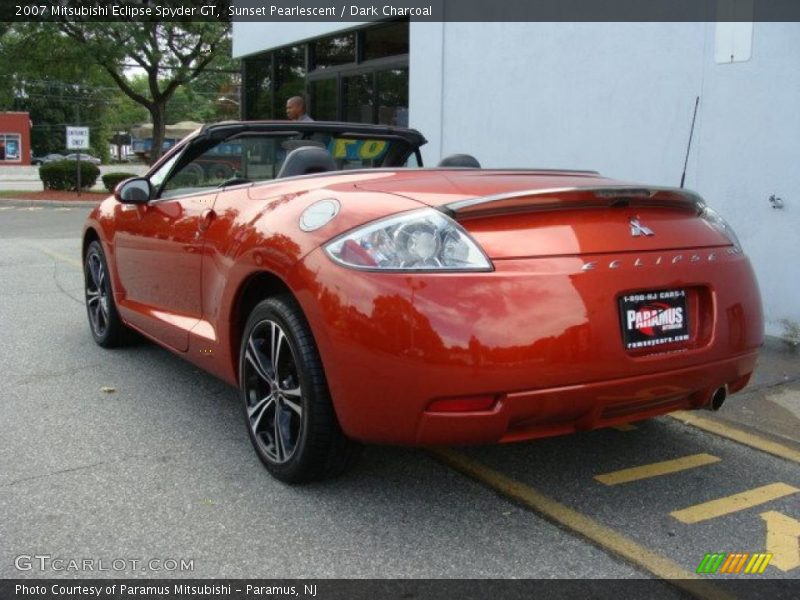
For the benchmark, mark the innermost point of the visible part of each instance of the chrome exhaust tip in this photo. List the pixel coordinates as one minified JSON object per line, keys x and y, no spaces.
{"x":718,"y":398}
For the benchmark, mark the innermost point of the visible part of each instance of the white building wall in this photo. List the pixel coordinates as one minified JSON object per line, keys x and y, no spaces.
{"x":618,"y":98}
{"x":260,"y":36}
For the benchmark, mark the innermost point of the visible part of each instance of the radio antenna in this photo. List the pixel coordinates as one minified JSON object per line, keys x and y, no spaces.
{"x":689,"y":145}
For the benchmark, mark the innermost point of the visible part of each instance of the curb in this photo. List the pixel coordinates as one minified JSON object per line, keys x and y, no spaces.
{"x":53,"y":203}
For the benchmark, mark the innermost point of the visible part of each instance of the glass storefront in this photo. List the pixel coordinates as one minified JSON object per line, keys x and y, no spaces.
{"x":392,"y":89}
{"x":333,"y":51}
{"x":359,"y":76}
{"x":290,"y":77}
{"x":10,"y":147}
{"x":324,"y":93}
{"x":390,"y":39}
{"x":258,"y":87}
{"x":357,"y":93}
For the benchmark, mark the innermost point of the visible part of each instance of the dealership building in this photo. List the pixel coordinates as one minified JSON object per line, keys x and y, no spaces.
{"x":15,"y":139}
{"x":618,"y":98}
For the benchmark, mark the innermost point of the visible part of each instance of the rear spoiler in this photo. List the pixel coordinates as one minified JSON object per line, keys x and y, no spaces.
{"x":575,"y":198}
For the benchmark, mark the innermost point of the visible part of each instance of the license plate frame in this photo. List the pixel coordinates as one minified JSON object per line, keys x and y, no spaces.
{"x":654,"y":318}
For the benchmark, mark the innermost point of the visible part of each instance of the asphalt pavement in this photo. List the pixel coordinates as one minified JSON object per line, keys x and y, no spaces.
{"x":135,"y":454}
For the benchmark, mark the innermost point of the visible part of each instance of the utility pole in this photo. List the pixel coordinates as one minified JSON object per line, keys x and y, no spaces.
{"x":77,"y":123}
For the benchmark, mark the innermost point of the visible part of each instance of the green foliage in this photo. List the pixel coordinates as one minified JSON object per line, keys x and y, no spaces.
{"x":198,"y":101}
{"x":126,"y":113}
{"x":99,"y":141}
{"x":187,"y":179}
{"x":79,"y":73}
{"x":173,"y":54}
{"x":63,"y":175}
{"x":110,"y":180}
{"x":43,"y":72}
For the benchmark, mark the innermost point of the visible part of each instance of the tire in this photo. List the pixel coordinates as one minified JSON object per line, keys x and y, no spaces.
{"x":288,"y":410}
{"x":107,"y":328}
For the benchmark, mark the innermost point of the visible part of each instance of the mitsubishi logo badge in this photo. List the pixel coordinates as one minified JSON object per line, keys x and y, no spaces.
{"x":637,"y":229}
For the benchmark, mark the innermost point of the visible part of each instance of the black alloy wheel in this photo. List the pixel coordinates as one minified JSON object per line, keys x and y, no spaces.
{"x":287,"y":407}
{"x":104,"y":321}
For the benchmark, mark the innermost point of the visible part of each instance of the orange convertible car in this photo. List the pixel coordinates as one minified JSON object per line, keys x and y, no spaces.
{"x":355,"y":299}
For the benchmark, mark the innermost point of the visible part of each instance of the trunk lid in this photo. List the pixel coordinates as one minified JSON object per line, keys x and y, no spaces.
{"x":538,"y":214}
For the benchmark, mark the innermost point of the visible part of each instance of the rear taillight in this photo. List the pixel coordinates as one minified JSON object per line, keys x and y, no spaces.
{"x":420,"y":240}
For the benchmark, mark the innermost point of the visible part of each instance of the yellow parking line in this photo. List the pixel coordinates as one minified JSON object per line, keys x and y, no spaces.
{"x":604,"y":537}
{"x":656,"y":469}
{"x":783,"y":540}
{"x":734,"y":503}
{"x":58,"y":256}
{"x":737,"y":435}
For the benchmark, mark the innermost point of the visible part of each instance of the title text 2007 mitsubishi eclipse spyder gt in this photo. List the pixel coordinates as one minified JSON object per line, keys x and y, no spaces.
{"x":355,"y":300}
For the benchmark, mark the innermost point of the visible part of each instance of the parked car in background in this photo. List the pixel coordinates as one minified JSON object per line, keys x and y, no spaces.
{"x":352,"y":299}
{"x":84,"y":157}
{"x":41,"y":160}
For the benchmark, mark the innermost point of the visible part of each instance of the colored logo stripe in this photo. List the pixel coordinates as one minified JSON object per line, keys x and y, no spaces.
{"x":734,"y":563}
{"x":711,"y":562}
{"x":721,"y":562}
{"x":758,"y":563}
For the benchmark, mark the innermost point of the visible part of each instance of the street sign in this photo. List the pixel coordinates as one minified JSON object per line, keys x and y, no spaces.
{"x":77,"y":138}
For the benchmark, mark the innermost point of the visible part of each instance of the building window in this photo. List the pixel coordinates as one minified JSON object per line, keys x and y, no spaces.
{"x":258,"y":87}
{"x":357,"y":91}
{"x":10,"y":147}
{"x":392,"y":88}
{"x":385,"y":40}
{"x":333,"y":51}
{"x":323,"y":92}
{"x":359,"y":76}
{"x":290,"y":77}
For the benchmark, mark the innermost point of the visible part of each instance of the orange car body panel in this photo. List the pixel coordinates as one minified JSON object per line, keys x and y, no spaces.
{"x":540,"y":334}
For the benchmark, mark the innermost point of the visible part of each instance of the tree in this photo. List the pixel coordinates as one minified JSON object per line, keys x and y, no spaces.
{"x":56,"y":93}
{"x":171,"y":54}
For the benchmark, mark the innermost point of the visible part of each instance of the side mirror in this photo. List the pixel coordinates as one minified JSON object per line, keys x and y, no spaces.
{"x":136,"y":190}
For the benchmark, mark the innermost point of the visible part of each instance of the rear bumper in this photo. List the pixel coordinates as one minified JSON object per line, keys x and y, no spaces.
{"x":557,"y":411}
{"x":542,"y":337}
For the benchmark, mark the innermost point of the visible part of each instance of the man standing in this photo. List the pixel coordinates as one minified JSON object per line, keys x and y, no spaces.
{"x":296,"y":109}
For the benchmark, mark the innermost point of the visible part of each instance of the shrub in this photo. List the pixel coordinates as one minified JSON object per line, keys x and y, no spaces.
{"x":110,"y":180}
{"x":62,"y":175}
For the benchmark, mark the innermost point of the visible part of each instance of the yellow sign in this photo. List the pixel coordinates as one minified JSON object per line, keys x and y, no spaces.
{"x":349,"y":149}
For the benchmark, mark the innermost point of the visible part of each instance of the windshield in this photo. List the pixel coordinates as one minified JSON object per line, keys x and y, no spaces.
{"x":254,"y":156}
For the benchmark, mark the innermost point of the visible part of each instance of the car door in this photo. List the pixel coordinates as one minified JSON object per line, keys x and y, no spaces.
{"x":159,"y":252}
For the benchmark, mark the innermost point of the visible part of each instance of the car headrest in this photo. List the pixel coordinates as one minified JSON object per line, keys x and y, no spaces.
{"x":460,"y":160}
{"x":306,"y":160}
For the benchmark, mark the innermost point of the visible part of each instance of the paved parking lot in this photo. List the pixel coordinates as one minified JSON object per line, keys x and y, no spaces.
{"x":136,"y":454}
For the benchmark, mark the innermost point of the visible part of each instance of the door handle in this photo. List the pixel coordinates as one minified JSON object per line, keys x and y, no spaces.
{"x":206,"y":217}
